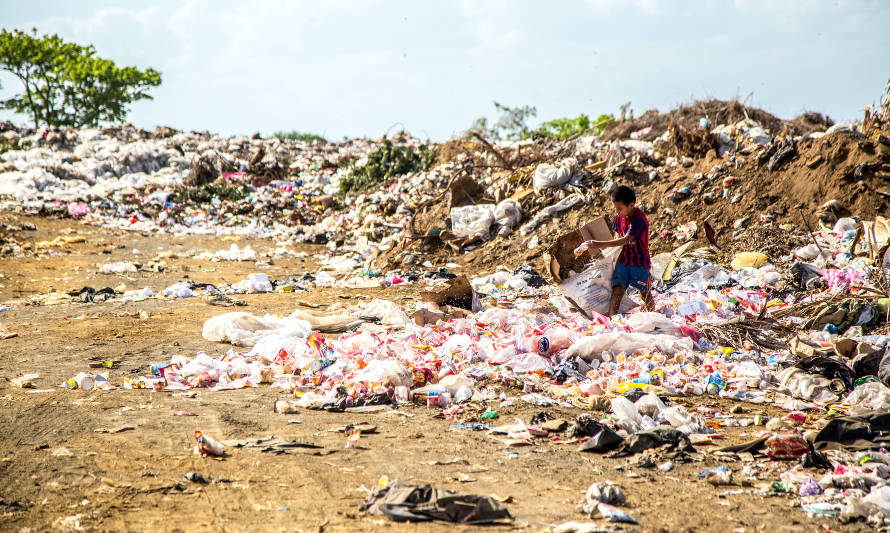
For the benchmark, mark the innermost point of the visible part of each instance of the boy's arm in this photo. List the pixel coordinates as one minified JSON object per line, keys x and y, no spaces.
{"x":620,"y":241}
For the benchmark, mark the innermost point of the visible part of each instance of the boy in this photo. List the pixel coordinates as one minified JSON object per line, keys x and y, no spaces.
{"x":632,"y":269}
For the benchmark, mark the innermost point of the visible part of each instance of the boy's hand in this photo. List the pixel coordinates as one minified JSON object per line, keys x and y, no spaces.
{"x":585,"y":247}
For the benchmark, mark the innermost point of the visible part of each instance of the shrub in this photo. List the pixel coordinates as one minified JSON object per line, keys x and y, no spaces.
{"x":387,"y":162}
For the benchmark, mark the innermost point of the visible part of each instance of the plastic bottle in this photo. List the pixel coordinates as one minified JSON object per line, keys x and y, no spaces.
{"x":402,"y":394}
{"x":627,"y":412}
{"x":208,"y":445}
{"x":463,"y":394}
{"x":786,"y":445}
{"x":432,"y":397}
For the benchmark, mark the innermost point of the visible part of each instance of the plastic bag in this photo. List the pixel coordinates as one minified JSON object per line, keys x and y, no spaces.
{"x":626,"y":411}
{"x":589,"y":347}
{"x":650,"y":405}
{"x":243,"y":329}
{"x":291,"y":339}
{"x":845,"y":224}
{"x":748,"y":259}
{"x":804,"y":386}
{"x":548,"y":176}
{"x":389,"y":313}
{"x":507,"y":215}
{"x":547,"y":212}
{"x":119,"y":267}
{"x":649,"y":322}
{"x":871,"y":396}
{"x":386,"y":372}
{"x":178,"y":290}
{"x":472,"y":221}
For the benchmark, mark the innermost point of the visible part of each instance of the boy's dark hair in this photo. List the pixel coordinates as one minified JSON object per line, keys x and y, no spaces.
{"x":624,"y":194}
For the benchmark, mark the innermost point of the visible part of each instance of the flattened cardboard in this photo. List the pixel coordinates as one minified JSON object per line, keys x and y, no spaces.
{"x":562,"y":251}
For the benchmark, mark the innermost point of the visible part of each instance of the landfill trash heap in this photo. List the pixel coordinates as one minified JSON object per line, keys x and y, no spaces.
{"x":763,"y":295}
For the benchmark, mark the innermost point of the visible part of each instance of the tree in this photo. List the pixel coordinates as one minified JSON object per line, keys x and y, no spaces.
{"x":66,"y":84}
{"x":511,"y":125}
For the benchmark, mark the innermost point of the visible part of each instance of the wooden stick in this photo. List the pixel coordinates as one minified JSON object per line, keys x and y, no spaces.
{"x":493,"y":150}
{"x":809,"y":229}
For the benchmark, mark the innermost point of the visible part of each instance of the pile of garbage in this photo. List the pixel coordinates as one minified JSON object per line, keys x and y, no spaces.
{"x":737,"y":331}
{"x":760,"y":296}
{"x":478,"y":196}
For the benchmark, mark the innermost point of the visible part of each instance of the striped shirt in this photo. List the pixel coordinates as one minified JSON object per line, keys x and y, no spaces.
{"x":636,"y":252}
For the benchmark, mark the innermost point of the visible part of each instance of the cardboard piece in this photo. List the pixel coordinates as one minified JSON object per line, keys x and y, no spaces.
{"x":877,"y":234}
{"x":456,"y":293}
{"x":562,"y":251}
{"x":586,"y":283}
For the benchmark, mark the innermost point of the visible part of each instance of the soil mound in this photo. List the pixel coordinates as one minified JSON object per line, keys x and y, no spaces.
{"x":717,"y":112}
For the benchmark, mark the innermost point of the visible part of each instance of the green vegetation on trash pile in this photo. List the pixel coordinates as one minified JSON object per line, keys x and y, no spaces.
{"x":295,"y":135}
{"x":387,"y":162}
{"x":218,"y":189}
{"x":66,"y":84}
{"x":16,"y":143}
{"x":512,"y":125}
{"x":563,"y":128}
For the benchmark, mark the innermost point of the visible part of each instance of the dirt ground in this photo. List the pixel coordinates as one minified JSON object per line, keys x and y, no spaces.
{"x":114,"y":461}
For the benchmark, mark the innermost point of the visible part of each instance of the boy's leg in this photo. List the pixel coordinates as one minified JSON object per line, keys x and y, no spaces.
{"x":615,"y":300}
{"x":642,"y":281}
{"x":620,"y":280}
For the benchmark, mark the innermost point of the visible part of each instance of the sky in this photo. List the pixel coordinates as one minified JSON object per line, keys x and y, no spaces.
{"x":366,"y":67}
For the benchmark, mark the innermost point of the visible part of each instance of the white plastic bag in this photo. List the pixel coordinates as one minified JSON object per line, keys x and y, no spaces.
{"x":387,"y":372}
{"x":650,"y":405}
{"x":548,"y":176}
{"x":629,"y":418}
{"x":243,"y":329}
{"x":569,"y":201}
{"x":588,"y":348}
{"x":472,"y":221}
{"x":507,"y":215}
{"x":651,"y":322}
{"x":389,"y":313}
{"x":871,"y":396}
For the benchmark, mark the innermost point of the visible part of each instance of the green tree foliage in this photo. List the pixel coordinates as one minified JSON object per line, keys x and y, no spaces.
{"x":510,"y":126}
{"x":66,"y":84}
{"x":387,"y":162}
{"x":295,"y":135}
{"x":563,"y":128}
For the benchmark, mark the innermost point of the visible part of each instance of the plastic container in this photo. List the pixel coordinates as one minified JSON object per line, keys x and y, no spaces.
{"x":786,"y":446}
{"x":627,"y":413}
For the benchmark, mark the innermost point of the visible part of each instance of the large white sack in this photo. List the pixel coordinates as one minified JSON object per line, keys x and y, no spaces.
{"x":651,"y":322}
{"x":548,"y":176}
{"x":472,"y":220}
{"x":243,"y":329}
{"x":589,"y":348}
{"x":389,"y":313}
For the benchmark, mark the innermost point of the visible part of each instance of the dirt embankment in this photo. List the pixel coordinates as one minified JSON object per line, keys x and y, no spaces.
{"x":744,"y":201}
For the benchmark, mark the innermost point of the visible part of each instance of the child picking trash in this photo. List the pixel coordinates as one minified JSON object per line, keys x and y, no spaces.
{"x":632,"y":269}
